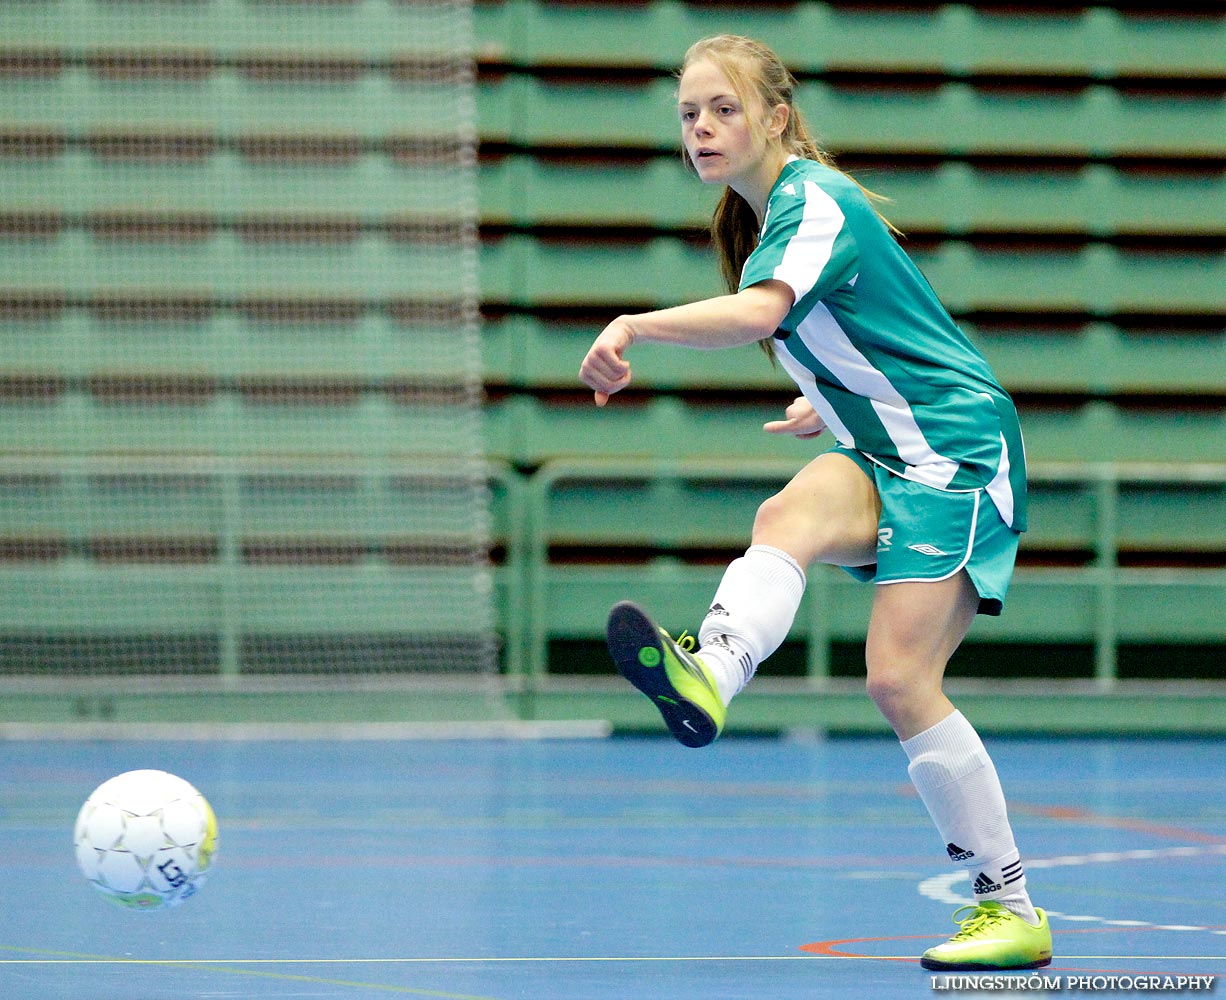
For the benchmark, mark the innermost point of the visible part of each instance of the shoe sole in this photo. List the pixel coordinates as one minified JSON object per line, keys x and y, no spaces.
{"x":936,"y":966}
{"x":632,"y":637}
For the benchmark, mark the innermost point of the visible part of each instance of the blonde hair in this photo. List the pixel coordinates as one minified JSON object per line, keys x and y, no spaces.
{"x":759,"y":78}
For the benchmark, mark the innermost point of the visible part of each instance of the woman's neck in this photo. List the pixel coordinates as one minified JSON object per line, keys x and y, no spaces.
{"x":757,"y":188}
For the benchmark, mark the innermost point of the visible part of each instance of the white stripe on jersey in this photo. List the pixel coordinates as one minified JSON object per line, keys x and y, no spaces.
{"x":829,"y":343}
{"x":808,"y":386}
{"x":1000,"y":489}
{"x":808,"y":251}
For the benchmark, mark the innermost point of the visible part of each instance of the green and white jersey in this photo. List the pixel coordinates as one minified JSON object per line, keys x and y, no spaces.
{"x":875,"y":352}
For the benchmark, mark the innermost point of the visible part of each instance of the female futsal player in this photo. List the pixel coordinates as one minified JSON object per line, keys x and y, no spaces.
{"x":924,"y":493}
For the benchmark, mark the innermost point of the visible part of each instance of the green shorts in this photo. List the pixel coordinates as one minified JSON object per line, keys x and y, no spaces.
{"x":926,"y":534}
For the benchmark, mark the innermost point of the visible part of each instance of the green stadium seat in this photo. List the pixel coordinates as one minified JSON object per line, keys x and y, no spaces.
{"x":188,"y":601}
{"x":1099,"y":278}
{"x":97,"y":601}
{"x":222,"y":182}
{"x":1094,"y":358}
{"x":652,"y":191}
{"x":228,"y":101}
{"x":960,"y":118}
{"x":653,"y":271}
{"x":369,"y":267}
{"x":531,"y":353}
{"x":347,"y":423}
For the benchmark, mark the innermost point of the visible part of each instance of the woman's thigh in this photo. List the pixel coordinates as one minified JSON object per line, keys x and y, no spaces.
{"x":828,"y":513}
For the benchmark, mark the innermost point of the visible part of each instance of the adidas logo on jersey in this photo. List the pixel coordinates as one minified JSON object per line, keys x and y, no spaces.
{"x":956,"y":853}
{"x":983,"y":885}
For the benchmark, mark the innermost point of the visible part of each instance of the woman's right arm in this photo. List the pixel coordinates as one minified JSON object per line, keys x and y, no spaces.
{"x":750,"y":315}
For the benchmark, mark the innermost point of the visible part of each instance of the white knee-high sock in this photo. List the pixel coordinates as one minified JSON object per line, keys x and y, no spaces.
{"x":750,"y":616}
{"x":958,"y":783}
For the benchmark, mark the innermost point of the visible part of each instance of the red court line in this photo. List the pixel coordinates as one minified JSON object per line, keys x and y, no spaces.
{"x":828,"y":947}
{"x":1075,"y":814}
{"x":831,"y":949}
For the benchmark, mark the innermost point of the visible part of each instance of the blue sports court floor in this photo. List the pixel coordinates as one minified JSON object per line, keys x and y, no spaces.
{"x":615,"y":869}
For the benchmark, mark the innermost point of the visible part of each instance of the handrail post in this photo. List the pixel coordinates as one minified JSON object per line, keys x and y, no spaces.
{"x":817,"y":638}
{"x":535,"y":644}
{"x":1106,"y":561}
{"x":500,"y":474}
{"x":229,"y":563}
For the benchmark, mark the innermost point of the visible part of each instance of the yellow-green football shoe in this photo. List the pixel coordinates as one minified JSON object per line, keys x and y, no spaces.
{"x":678,"y":683}
{"x":992,"y":938}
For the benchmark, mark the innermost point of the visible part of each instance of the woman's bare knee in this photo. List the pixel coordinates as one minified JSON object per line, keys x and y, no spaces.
{"x":913,"y":631}
{"x":887,"y":688}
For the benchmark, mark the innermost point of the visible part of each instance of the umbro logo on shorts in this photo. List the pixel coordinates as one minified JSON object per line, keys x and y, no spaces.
{"x":928,"y":550}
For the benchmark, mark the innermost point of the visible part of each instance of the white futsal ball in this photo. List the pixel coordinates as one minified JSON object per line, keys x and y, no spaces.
{"x":146,"y":839}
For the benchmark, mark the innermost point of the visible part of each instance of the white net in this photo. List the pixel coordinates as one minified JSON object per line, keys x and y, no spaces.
{"x":239,"y":358}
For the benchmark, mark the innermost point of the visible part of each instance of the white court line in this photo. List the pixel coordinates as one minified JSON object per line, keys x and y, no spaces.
{"x":496,"y":729}
{"x":455,"y":960}
{"x":940,"y":888}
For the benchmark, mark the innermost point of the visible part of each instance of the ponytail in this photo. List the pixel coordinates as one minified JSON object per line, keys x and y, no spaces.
{"x":734,"y":235}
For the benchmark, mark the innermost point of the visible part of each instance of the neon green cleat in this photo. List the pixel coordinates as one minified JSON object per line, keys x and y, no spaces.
{"x":678,"y":683}
{"x":992,"y":938}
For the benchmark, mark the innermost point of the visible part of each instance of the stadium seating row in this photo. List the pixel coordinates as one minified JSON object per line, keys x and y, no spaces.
{"x":369,"y":28}
{"x":526,"y":270}
{"x":939,"y":117}
{"x":650,"y":191}
{"x":948,"y":196}
{"x":525,"y":352}
{"x":222,"y":344}
{"x":188,"y":172}
{"x":955,"y":38}
{"x":1098,"y":278}
{"x":228,"y":103}
{"x":1032,"y":354}
{"x":978,"y":36}
{"x":641,"y":190}
{"x":134,"y":417}
{"x":227,"y":266}
{"x":943,"y":118}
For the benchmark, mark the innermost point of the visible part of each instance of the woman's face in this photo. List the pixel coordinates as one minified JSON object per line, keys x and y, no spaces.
{"x":715,"y":126}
